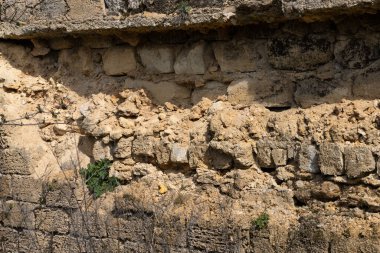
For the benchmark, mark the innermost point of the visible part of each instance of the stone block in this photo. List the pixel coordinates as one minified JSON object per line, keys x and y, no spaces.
{"x":60,"y":43}
{"x":88,"y":224}
{"x":101,"y":151}
{"x":18,"y":214}
{"x":358,"y":161}
{"x":190,"y":60}
{"x":314,"y":91}
{"x":32,"y":241}
{"x":240,"y":55}
{"x":163,"y":91}
{"x":268,"y":89}
{"x":124,"y":148}
{"x":366,"y":85}
{"x":52,"y":220}
{"x":118,"y":61}
{"x":157,"y":59}
{"x":62,"y":243}
{"x":77,"y":60}
{"x":241,"y":152}
{"x":264,"y":155}
{"x":8,"y":240}
{"x":179,"y":153}
{"x":299,"y":53}
{"x":5,"y":186}
{"x":212,"y":90}
{"x":357,"y":53}
{"x":308,"y":158}
{"x":279,"y":156}
{"x":15,"y":161}
{"x":132,"y":229}
{"x":66,"y":195}
{"x":26,"y":189}
{"x":106,"y":245}
{"x":331,"y":159}
{"x":143,"y":146}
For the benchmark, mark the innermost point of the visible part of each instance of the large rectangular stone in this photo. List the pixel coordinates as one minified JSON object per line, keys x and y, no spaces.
{"x":119,"y":61}
{"x":18,"y":214}
{"x":331,"y":159}
{"x":158,"y":58}
{"x":131,"y":229}
{"x":15,"y":161}
{"x":5,"y":186}
{"x":358,"y":161}
{"x":88,"y":223}
{"x":26,"y":189}
{"x":52,"y":220}
{"x":70,"y":244}
{"x":308,"y":158}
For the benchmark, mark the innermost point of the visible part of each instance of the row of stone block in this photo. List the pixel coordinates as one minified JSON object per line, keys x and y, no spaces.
{"x":330,"y":159}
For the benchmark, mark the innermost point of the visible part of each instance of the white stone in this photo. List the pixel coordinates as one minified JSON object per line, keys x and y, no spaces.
{"x":157,"y":59}
{"x":179,"y":153}
{"x":119,"y":61}
{"x":191,"y":60}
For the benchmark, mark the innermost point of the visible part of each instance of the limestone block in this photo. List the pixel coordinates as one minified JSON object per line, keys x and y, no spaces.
{"x":208,"y":239}
{"x":143,"y":146}
{"x":279,"y":156}
{"x":268,"y":89}
{"x":133,"y":229}
{"x":190,"y":60}
{"x":26,"y":189}
{"x":308,"y":158}
{"x":119,"y":61}
{"x":158,"y":59}
{"x":313,"y":91}
{"x":163,"y":91}
{"x":299,"y":53}
{"x":128,"y":108}
{"x":366,"y":85}
{"x":9,"y":239}
{"x":18,"y":214}
{"x":135,"y":247}
{"x":106,"y":245}
{"x":88,"y":224}
{"x":63,"y":243}
{"x":241,"y":152}
{"x":179,"y":153}
{"x":63,"y":194}
{"x":77,"y":60}
{"x":264,"y":155}
{"x":5,"y":186}
{"x":358,"y":161}
{"x":52,"y":220}
{"x":101,"y":151}
{"x":124,"y":148}
{"x":241,"y":55}
{"x":15,"y":161}
{"x":212,"y":90}
{"x":331,"y":159}
{"x":356,"y":53}
{"x":32,"y":241}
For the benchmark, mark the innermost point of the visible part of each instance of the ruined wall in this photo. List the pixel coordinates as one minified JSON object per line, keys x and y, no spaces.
{"x":207,"y":130}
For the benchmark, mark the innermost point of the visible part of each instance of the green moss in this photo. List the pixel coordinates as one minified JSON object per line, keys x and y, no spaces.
{"x":97,"y":177}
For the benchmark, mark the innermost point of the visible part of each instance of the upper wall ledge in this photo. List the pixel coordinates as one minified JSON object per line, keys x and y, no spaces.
{"x":21,"y":19}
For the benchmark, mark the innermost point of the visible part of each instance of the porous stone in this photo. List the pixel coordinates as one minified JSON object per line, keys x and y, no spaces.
{"x":18,"y":214}
{"x":211,"y":90}
{"x":163,"y":91}
{"x":267,"y":89}
{"x":331,"y":159}
{"x":52,"y":220}
{"x":358,"y":161}
{"x":308,"y":158}
{"x":101,"y":151}
{"x":143,"y":146}
{"x":241,"y":152}
{"x":158,"y":59}
{"x":299,"y":53}
{"x":240,"y":55}
{"x":190,"y":60}
{"x":26,"y":189}
{"x":119,"y":61}
{"x":264,"y":155}
{"x":179,"y":153}
{"x":5,"y":186}
{"x":15,"y":161}
{"x":366,"y":85}
{"x":124,"y":148}
{"x":279,"y":156}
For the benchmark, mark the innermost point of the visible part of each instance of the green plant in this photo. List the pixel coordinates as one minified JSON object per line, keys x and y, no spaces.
{"x":97,"y":177}
{"x":183,"y":8}
{"x":261,"y":221}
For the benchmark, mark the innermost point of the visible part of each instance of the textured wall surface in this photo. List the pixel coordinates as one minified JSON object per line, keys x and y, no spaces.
{"x":207,"y":129}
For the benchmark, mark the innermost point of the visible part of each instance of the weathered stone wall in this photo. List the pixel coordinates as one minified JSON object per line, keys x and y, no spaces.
{"x":206,"y":130}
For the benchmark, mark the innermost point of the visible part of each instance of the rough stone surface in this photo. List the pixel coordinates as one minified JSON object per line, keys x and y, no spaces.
{"x":331,"y":159}
{"x":158,"y":59}
{"x":358,"y":161}
{"x":190,"y":60}
{"x":308,"y":159}
{"x":119,"y":61}
{"x":15,"y":161}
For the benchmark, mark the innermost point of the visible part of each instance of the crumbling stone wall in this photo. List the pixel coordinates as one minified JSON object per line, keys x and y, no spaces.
{"x":206,"y":131}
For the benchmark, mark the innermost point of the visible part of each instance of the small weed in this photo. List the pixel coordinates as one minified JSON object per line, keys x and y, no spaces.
{"x":261,"y":221}
{"x":184,"y":8}
{"x":97,"y":177}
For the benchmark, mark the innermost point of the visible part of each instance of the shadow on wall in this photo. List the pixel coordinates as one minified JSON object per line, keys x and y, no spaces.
{"x":279,"y":66}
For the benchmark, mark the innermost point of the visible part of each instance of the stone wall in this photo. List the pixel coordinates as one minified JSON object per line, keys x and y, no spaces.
{"x":206,"y":131}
